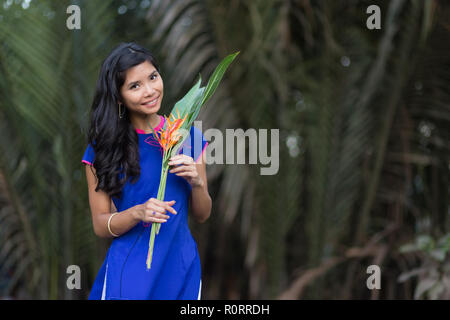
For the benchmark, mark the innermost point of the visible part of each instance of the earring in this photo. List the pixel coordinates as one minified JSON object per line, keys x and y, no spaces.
{"x":121,"y":114}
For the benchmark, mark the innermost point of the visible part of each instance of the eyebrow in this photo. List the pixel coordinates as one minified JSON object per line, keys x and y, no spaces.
{"x":136,"y":82}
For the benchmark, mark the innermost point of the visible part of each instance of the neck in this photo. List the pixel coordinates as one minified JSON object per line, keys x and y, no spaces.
{"x":143,"y":123}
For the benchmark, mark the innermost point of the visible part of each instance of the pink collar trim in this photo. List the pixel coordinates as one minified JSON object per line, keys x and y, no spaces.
{"x":160,"y":125}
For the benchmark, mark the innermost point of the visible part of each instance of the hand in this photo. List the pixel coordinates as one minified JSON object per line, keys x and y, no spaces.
{"x":186,"y":168}
{"x":153,"y":210}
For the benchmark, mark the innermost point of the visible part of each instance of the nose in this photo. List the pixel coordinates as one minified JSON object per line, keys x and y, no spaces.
{"x":149,"y":90}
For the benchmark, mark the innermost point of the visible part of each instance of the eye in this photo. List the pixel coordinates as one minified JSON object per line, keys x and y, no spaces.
{"x":153,"y":76}
{"x":133,"y":86}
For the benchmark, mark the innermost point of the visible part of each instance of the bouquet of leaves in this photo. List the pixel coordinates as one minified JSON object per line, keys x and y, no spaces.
{"x":177,"y":127}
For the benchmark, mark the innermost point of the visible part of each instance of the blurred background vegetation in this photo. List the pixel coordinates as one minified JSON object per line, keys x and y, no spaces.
{"x":364,"y":118}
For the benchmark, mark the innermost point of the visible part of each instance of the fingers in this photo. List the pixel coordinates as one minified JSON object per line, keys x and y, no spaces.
{"x":153,"y":216}
{"x":165,"y":205}
{"x":180,"y":163}
{"x":180,"y":159}
{"x":182,"y":169}
{"x":191,"y":174}
{"x":155,"y":210}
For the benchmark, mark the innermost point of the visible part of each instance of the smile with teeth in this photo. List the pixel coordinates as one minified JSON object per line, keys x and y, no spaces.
{"x":151,"y":103}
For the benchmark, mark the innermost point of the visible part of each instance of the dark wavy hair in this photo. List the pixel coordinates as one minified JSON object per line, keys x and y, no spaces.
{"x":114,"y":139}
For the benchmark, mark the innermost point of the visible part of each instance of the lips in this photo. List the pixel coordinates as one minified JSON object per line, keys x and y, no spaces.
{"x":151,"y":103}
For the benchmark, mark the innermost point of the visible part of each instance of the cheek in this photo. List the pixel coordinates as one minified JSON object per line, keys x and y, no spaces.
{"x":132,"y":98}
{"x":161,"y":86}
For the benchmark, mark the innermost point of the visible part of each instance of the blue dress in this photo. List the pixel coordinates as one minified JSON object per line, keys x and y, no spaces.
{"x":175,"y":271}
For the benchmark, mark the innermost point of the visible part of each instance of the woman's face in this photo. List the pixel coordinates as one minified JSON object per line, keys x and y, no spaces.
{"x":143,"y":89}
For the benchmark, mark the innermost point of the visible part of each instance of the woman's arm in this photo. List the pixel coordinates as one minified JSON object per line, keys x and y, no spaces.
{"x":201,"y":202}
{"x":100,"y":202}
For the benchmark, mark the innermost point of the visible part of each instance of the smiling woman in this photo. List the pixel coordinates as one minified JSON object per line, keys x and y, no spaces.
{"x":142,"y":95}
{"x":123,"y":163}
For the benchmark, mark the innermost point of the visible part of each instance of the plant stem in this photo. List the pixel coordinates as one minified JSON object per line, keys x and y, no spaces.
{"x":161,"y":192}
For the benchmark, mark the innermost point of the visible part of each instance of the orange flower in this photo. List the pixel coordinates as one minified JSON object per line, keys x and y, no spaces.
{"x":169,"y":136}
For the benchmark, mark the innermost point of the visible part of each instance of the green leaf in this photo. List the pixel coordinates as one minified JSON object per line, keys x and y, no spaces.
{"x":217,"y":75}
{"x":185,"y":104}
{"x":192,"y":102}
{"x":191,"y":117}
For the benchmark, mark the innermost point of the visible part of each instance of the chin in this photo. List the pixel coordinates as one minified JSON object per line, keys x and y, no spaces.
{"x":155,"y":109}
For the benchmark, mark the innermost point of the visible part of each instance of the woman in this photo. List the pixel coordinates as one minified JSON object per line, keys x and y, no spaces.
{"x":123,"y":167}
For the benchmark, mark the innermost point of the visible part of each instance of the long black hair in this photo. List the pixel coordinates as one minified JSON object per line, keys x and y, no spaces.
{"x":114,"y":139}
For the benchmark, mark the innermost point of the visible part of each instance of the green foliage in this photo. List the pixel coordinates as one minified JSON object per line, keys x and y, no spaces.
{"x":363,"y":118}
{"x":49,"y":75}
{"x":434,"y":272}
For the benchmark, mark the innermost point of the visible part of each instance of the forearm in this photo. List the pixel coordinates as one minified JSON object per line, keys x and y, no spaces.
{"x":201,"y":203}
{"x":120,"y":223}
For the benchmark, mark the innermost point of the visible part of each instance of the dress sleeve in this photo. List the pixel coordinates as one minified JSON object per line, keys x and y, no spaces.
{"x":89,"y":155}
{"x":195,"y":145}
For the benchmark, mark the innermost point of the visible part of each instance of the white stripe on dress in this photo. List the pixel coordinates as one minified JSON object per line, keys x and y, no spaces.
{"x":199,"y":290}
{"x":104,"y":284}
